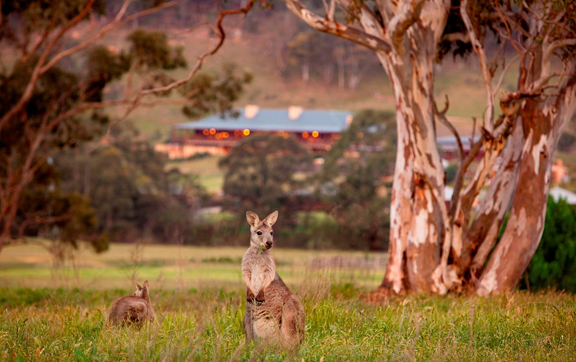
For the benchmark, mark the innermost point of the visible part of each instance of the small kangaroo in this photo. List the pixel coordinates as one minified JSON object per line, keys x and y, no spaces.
{"x":132,"y":310}
{"x":273,"y":313}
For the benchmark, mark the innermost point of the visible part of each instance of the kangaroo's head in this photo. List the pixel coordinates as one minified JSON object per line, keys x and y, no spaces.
{"x":142,"y":291}
{"x":261,"y":234}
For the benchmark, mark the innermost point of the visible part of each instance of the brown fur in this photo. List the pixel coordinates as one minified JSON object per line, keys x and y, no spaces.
{"x":131,"y":310}
{"x":273,"y":313}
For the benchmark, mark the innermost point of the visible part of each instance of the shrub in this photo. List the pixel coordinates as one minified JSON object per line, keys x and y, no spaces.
{"x":554,"y":263}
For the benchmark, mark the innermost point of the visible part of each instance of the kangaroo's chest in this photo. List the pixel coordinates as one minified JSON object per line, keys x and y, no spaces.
{"x":261,"y":272}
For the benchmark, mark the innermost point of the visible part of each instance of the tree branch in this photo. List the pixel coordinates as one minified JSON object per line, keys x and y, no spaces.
{"x":442,"y":117}
{"x":17,"y":108}
{"x":402,"y":21}
{"x":486,"y":74}
{"x":504,"y":71}
{"x":549,"y":50}
{"x":338,"y":29}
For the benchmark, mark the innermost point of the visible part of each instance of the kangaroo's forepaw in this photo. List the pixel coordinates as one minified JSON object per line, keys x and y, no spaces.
{"x":249,"y":296}
{"x":260,"y":297}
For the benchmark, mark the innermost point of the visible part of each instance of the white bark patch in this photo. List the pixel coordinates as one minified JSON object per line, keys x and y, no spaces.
{"x":495,"y":201}
{"x":521,"y":222}
{"x":419,"y":233}
{"x":489,"y":282}
{"x":542,"y":143}
{"x":372,"y":42}
{"x":528,"y":142}
{"x":434,"y":15}
{"x":438,"y":286}
{"x":489,"y":205}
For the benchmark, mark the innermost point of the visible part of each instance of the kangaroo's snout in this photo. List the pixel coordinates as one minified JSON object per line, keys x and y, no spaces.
{"x":268,"y":244}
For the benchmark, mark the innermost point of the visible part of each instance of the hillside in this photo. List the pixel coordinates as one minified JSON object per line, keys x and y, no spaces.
{"x":460,"y":80}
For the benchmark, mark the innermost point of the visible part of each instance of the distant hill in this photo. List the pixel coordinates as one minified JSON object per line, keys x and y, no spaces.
{"x":259,"y":43}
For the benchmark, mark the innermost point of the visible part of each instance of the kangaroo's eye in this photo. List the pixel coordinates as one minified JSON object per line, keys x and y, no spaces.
{"x":259,"y":232}
{"x":271,"y":232}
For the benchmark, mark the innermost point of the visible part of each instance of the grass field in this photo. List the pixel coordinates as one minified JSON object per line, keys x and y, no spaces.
{"x":49,"y":314}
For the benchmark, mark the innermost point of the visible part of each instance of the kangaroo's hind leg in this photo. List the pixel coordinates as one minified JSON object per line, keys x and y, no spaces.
{"x":293,"y":322}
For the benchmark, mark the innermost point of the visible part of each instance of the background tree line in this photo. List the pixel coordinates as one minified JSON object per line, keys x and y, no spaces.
{"x":53,"y":125}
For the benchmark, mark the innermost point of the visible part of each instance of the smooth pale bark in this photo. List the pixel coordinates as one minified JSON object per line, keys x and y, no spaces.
{"x":543,"y":123}
{"x":416,"y":221}
{"x":481,"y":237}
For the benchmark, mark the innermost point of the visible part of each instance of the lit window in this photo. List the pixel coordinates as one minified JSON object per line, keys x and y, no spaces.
{"x":315,"y":134}
{"x":305,"y":134}
{"x":246,"y":132}
{"x":212,"y":131}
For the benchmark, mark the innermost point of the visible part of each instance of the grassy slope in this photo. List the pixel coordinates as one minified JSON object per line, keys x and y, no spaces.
{"x":202,"y":320}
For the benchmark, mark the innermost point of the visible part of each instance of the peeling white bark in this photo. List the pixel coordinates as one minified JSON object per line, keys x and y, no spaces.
{"x":546,"y":118}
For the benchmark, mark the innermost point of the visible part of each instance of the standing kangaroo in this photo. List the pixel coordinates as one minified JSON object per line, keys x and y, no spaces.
{"x":134,"y":309}
{"x":273,"y":313}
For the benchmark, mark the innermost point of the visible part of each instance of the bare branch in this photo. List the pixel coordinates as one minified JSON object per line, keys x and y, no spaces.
{"x":329,"y":10}
{"x":455,"y":204}
{"x":442,"y":117}
{"x":545,"y":75}
{"x":504,"y":71}
{"x":479,"y":49}
{"x":336,"y":28}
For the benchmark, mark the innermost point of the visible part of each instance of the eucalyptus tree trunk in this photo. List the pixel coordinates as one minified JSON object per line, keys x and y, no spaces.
{"x":543,"y":121}
{"x":406,"y":49}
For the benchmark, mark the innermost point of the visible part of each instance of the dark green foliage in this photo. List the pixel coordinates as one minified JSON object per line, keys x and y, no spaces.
{"x":151,"y":50}
{"x":103,"y":67}
{"x":554,"y":263}
{"x":132,"y":193}
{"x":214,"y":92}
{"x":364,"y":156}
{"x":260,"y":174}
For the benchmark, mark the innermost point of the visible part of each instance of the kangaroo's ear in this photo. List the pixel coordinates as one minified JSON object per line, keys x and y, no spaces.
{"x":146,"y":285}
{"x":252,"y":218}
{"x":139,"y":286}
{"x":271,"y":219}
